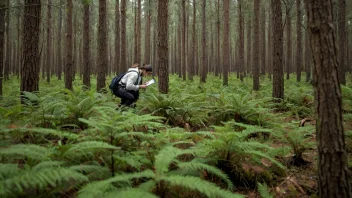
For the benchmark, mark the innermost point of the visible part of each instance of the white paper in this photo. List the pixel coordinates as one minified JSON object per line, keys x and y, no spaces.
{"x":152,"y":81}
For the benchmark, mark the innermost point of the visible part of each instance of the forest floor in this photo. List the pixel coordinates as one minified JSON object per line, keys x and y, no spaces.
{"x":183,"y":119}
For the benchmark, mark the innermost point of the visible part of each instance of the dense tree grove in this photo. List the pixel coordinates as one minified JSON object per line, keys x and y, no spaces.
{"x":234,"y":81}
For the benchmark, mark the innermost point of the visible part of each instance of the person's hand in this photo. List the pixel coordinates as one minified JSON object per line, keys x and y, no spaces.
{"x":143,"y":86}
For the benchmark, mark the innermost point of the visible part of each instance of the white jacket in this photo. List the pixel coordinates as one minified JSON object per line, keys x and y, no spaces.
{"x":130,"y":78}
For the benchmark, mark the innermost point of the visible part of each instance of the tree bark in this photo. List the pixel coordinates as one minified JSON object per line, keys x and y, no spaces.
{"x":86,"y":45}
{"x":342,"y":40}
{"x":123,"y":34}
{"x":249,"y":43}
{"x":69,"y":49}
{"x":218,"y":24}
{"x":147,"y":34}
{"x":194,"y":37}
{"x":8,"y":51}
{"x":278,"y":73}
{"x":256,"y":46}
{"x":117,"y":68}
{"x":288,"y":59}
{"x":138,"y":58}
{"x":102,"y":46}
{"x":204,"y":65}
{"x":59,"y":58}
{"x":299,"y":40}
{"x":163,"y":46}
{"x":226,"y":55}
{"x":334,"y":176}
{"x":183,"y":56}
{"x":48,"y":43}
{"x":2,"y":42}
{"x":30,"y":66}
{"x":263,"y":43}
{"x":241,"y":40}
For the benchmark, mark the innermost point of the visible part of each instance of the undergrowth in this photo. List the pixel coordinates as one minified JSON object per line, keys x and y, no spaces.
{"x":199,"y":140}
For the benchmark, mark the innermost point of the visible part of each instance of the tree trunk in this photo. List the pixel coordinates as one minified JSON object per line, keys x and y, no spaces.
{"x":255,"y":66}
{"x":249,"y":35}
{"x":86,"y":45}
{"x":48,"y":43}
{"x":263,"y":43}
{"x":163,"y":46}
{"x":7,"y":60}
{"x":334,"y":176}
{"x":307,"y":54}
{"x":342,"y":40}
{"x":19,"y":33}
{"x":270,"y":44}
{"x":218,"y":24}
{"x":194,"y":37}
{"x":117,"y":68}
{"x":241,"y":40}
{"x":69,"y":57}
{"x":147,"y":34}
{"x":299,"y":40}
{"x":288,"y":59}
{"x":138,"y":58}
{"x":102,"y":46}
{"x":123,"y":35}
{"x":30,"y":66}
{"x":226,"y":43}
{"x":278,"y":72}
{"x":204,"y":65}
{"x":59,"y":58}
{"x":2,"y":41}
{"x":183,"y":56}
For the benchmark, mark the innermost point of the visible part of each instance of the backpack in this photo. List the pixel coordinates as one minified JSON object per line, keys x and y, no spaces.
{"x":116,"y":81}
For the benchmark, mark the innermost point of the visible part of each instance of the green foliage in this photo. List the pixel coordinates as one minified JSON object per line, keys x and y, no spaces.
{"x":264,"y":191}
{"x":27,"y":180}
{"x":299,"y":139}
{"x":166,"y":158}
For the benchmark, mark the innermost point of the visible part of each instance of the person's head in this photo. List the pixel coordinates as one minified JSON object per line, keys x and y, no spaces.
{"x":147,"y":70}
{"x":135,"y":65}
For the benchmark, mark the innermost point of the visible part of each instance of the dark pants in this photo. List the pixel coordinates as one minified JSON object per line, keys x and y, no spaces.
{"x":128,"y":97}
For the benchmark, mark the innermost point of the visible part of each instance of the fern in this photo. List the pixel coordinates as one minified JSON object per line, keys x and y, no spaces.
{"x":99,"y":188}
{"x":42,"y":131}
{"x":130,"y":193}
{"x":41,"y":179}
{"x":7,"y":170}
{"x":165,"y":157}
{"x":264,"y":191}
{"x":28,"y":150}
{"x":194,"y":183}
{"x":211,"y":169}
{"x":82,"y":147}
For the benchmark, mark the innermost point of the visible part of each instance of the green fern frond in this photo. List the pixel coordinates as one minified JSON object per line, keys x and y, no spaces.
{"x":43,"y":131}
{"x":8,"y":170}
{"x":261,"y":154}
{"x":166,"y":156}
{"x":211,"y":169}
{"x":39,"y":179}
{"x":134,"y":134}
{"x":130,"y":193}
{"x":99,"y":188}
{"x":28,"y":150}
{"x":82,"y":147}
{"x":264,"y":191}
{"x":47,"y":164}
{"x":202,"y":186}
{"x":147,"y":186}
{"x":88,"y":168}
